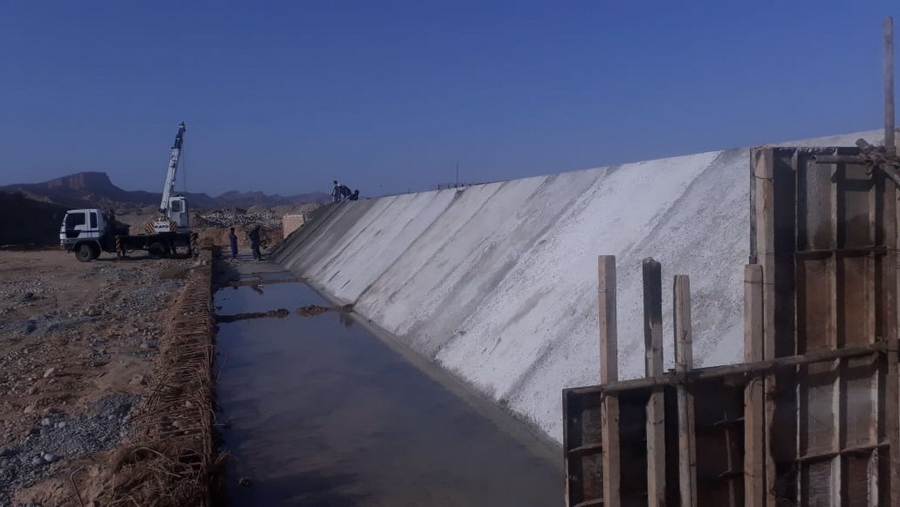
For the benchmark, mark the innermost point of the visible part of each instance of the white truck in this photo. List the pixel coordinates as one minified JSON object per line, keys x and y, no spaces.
{"x":88,"y":232}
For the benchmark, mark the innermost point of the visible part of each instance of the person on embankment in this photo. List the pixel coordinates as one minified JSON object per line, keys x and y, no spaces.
{"x":232,"y":241}
{"x":253,"y":236}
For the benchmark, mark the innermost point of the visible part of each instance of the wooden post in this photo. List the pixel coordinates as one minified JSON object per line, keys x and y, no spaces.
{"x":754,"y":409}
{"x":762,"y":168}
{"x":656,"y":416}
{"x":889,"y":144}
{"x":684,"y":362}
{"x":609,"y":372}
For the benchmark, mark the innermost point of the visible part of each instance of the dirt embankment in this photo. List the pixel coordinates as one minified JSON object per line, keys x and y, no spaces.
{"x":24,"y":221}
{"x":77,"y":346}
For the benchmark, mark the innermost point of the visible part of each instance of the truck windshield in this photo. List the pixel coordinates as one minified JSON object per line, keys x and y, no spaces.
{"x":74,"y":219}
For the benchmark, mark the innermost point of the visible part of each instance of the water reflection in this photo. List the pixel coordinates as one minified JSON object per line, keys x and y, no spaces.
{"x":323,"y":413}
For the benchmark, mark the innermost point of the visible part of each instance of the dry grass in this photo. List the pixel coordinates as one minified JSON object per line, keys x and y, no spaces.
{"x":169,"y":459}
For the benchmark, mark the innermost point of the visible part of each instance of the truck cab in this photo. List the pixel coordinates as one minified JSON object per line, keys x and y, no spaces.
{"x":87,"y":232}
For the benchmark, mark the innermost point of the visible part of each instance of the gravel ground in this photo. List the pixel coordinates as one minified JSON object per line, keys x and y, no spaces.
{"x":59,"y":436}
{"x":77,"y":342}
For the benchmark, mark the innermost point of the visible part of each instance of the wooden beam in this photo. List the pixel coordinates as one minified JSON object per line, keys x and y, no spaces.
{"x":656,"y":418}
{"x":609,"y":363}
{"x":754,"y":409}
{"x":739,"y":370}
{"x":684,"y":362}
{"x":609,"y":372}
{"x":762,"y":168}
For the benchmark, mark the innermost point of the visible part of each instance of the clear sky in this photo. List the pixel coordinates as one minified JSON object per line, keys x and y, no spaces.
{"x":388,"y":95}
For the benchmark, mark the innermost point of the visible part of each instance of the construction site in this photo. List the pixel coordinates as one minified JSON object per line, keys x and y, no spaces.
{"x":734,"y":340}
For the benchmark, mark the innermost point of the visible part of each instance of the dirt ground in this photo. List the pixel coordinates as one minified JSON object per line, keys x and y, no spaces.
{"x":77,"y":343}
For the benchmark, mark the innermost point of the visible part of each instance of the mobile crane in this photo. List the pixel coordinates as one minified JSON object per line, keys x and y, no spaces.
{"x":173,"y":208}
{"x":88,"y":232}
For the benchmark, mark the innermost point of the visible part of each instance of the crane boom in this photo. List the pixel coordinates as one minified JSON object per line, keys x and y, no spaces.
{"x":173,"y":168}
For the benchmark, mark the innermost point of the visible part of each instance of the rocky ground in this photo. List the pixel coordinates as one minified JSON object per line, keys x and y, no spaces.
{"x":77,"y":342}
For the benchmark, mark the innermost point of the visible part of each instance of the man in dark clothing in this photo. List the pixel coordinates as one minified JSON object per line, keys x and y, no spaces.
{"x":254,"y":243}
{"x":345,"y":192}
{"x":354,"y":196}
{"x":232,"y":240}
{"x":336,"y":192}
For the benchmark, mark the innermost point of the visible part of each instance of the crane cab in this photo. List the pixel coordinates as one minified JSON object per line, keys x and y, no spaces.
{"x":175,"y":217}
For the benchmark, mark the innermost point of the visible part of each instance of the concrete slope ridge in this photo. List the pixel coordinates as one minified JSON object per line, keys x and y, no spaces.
{"x":497,"y":283}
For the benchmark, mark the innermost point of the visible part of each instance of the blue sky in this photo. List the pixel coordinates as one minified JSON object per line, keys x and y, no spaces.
{"x":284,"y":97}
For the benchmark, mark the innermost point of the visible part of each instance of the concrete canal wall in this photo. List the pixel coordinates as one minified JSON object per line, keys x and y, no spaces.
{"x":497,"y":283}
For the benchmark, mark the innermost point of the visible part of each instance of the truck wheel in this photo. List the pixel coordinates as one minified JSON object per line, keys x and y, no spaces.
{"x":157,"y":250}
{"x":84,"y":253}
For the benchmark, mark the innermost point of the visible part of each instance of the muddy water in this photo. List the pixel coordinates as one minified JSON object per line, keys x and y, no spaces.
{"x":323,"y":413}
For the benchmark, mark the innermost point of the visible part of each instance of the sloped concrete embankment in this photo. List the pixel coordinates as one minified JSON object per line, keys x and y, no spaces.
{"x":497,"y":283}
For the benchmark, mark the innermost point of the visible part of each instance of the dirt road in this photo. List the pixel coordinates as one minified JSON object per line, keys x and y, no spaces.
{"x":77,"y":342}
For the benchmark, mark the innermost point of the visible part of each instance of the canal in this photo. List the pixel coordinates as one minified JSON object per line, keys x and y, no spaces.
{"x":319,"y":411}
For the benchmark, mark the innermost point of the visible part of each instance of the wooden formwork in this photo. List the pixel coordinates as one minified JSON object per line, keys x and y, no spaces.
{"x":811,"y":417}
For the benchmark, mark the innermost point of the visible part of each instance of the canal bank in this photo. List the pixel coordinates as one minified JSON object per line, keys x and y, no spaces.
{"x":314,"y":409}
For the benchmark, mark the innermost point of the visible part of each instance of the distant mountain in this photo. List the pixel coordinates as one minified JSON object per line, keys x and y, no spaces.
{"x":89,"y":189}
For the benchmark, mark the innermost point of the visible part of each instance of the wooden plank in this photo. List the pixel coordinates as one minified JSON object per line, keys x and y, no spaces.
{"x":656,"y":431}
{"x":609,"y":372}
{"x":609,"y":364}
{"x":687,"y":452}
{"x":754,"y":409}
{"x":762,"y":167}
{"x":738,"y":370}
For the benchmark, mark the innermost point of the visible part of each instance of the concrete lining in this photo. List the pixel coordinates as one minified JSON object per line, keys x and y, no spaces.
{"x":497,"y":283}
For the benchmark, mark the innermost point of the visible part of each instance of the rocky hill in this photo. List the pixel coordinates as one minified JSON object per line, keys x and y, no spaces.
{"x":30,"y":213}
{"x":89,"y":189}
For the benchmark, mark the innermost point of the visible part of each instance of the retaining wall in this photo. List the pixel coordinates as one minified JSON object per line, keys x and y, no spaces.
{"x":497,"y":283}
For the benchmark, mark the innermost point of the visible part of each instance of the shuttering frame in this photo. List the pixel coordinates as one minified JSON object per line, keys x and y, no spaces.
{"x":826,"y":238}
{"x":811,"y":418}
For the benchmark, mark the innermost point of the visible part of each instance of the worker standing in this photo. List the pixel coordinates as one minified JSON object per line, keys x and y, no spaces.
{"x":254,"y":243}
{"x":232,"y":241}
{"x":336,"y":192}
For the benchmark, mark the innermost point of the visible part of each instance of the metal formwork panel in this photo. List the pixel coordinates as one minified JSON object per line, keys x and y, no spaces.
{"x":826,"y":237}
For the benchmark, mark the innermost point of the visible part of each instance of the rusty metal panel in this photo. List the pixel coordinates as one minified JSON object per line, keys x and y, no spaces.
{"x":719,"y":427}
{"x":583,"y":452}
{"x":581,"y":444}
